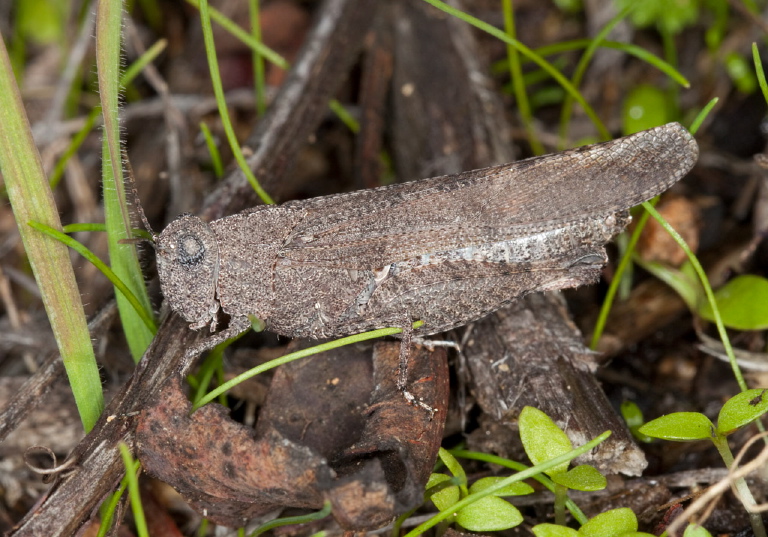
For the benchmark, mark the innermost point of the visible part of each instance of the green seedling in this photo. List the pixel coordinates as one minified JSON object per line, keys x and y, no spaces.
{"x":490,"y":513}
{"x":737,"y":412}
{"x":543,"y":440}
{"x":738,"y":69}
{"x":742,"y":302}
{"x":493,"y":487}
{"x":633,"y":416}
{"x":668,"y":17}
{"x":645,"y":105}
{"x":620,"y":522}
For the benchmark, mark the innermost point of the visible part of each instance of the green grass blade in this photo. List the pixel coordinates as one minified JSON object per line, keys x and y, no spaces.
{"x":134,"y":491}
{"x":123,"y":257}
{"x":343,"y":114}
{"x":268,"y":54}
{"x":628,"y":48}
{"x":518,"y":83}
{"x":530,"y":54}
{"x":707,"y":291}
{"x":759,"y":71}
{"x":218,"y":90}
{"x":218,"y":167}
{"x":143,"y":314}
{"x":613,"y":288}
{"x":108,"y":508}
{"x":128,"y":76}
{"x":133,"y":70}
{"x":31,"y":199}
{"x":581,"y":68}
{"x":349,"y":340}
{"x":293,"y":520}
{"x":257,"y":46}
{"x":259,"y":80}
{"x":86,"y":226}
{"x":701,"y":116}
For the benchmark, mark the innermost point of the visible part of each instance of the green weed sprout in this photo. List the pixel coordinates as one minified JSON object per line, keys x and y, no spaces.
{"x":490,"y":513}
{"x":620,"y":522}
{"x":544,"y":440}
{"x":634,"y":419}
{"x":737,"y":412}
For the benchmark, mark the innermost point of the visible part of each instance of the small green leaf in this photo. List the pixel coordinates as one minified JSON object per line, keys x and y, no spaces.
{"x":680,"y":427}
{"x":444,"y":498}
{"x":553,"y":530}
{"x":584,"y":477}
{"x":632,"y":414}
{"x":513,"y":489}
{"x":740,"y":71}
{"x":542,"y":438}
{"x":453,"y":465}
{"x":743,"y":303}
{"x":570,"y":6}
{"x":636,"y":534}
{"x":489,"y":514}
{"x":741,"y":409}
{"x":612,"y":523}
{"x":682,"y":281}
{"x":635,"y":419}
{"x":669,"y":16}
{"x":43,"y":21}
{"x":694,"y":530}
{"x":644,"y":108}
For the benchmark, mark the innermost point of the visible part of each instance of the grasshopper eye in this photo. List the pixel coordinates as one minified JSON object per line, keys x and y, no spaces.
{"x":191,"y":250}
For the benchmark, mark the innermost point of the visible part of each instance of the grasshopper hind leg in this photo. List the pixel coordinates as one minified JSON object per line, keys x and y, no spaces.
{"x":402,"y":371}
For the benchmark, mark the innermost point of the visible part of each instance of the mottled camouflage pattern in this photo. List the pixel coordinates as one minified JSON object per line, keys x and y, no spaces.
{"x":446,"y":250}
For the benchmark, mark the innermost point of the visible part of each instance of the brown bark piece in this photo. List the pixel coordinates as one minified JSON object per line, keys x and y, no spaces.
{"x":446,"y":119}
{"x":532,"y":354}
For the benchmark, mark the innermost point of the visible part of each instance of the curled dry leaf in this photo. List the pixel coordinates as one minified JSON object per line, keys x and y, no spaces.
{"x":334,"y":427}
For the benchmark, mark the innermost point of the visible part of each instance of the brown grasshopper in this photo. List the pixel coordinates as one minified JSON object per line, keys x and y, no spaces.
{"x":446,"y":250}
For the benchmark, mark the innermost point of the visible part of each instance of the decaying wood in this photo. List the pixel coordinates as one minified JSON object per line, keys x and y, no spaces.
{"x":294,"y":116}
{"x":531,"y":354}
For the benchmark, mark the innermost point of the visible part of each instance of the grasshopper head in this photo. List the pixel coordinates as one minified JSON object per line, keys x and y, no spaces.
{"x":188,"y":266}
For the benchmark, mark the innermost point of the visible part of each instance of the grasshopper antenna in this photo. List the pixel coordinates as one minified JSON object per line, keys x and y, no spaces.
{"x":131,"y":184}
